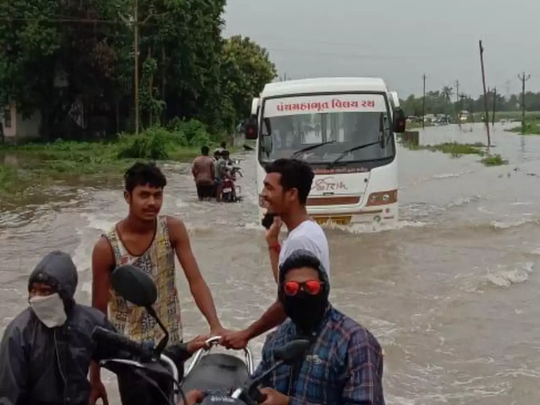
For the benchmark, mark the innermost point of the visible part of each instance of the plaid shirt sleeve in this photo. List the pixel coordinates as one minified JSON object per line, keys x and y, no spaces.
{"x":364,"y":365}
{"x":265,"y":363}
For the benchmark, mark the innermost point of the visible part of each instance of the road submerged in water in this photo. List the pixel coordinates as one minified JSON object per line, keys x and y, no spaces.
{"x":451,"y":293}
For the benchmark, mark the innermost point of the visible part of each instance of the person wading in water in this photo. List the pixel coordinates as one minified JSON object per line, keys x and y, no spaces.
{"x":149,"y":241}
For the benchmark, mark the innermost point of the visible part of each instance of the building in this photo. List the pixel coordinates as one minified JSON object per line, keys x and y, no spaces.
{"x":16,"y":128}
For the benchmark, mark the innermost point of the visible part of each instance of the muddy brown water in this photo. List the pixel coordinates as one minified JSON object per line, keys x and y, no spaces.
{"x":451,"y":293}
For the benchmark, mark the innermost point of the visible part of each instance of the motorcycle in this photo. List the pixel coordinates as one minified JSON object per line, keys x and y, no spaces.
{"x":229,"y":184}
{"x":224,"y":378}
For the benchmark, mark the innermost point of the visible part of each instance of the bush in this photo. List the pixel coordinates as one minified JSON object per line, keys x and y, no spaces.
{"x":192,"y":132}
{"x":151,"y":144}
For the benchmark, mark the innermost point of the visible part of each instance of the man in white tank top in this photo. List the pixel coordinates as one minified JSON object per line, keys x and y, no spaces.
{"x":286,"y":188}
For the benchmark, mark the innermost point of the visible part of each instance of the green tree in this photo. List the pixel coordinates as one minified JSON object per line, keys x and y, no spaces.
{"x":247,"y":68}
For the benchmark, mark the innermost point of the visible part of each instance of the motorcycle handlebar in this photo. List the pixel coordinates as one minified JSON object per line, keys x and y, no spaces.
{"x":121,"y":343}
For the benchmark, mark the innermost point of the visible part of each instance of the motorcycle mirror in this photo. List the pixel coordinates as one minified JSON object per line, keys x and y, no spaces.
{"x":292,"y":351}
{"x":134,"y":285}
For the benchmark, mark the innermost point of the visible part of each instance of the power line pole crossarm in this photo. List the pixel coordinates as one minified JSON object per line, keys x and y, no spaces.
{"x":523,"y":79}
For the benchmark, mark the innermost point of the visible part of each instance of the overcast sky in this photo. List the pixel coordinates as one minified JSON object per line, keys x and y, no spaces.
{"x":397,"y":40}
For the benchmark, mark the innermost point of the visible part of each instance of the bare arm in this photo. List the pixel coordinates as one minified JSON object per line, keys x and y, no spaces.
{"x":273,"y":250}
{"x":102,"y":263}
{"x":274,"y":316}
{"x":198,"y":287}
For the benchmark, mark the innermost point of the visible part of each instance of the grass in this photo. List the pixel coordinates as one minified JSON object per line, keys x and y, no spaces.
{"x":459,"y":149}
{"x":40,"y":165}
{"x":494,"y":160}
{"x":453,"y":148}
{"x":531,"y":128}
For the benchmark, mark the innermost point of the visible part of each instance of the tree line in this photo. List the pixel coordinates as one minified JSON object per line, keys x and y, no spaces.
{"x":444,"y":101}
{"x":73,"y":62}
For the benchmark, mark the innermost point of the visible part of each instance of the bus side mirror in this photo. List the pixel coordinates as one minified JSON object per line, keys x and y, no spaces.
{"x":399,"y":121}
{"x":251,"y":128}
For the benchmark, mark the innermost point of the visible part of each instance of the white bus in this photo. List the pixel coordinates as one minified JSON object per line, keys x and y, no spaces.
{"x":344,"y":128}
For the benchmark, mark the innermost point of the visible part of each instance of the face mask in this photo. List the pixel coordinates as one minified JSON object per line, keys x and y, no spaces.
{"x":305,"y":310}
{"x":49,"y":310}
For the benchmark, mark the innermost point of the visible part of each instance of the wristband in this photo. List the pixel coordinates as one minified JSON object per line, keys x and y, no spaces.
{"x":276,"y":247}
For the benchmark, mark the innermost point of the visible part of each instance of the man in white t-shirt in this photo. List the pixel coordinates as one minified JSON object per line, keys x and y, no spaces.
{"x":286,"y":188}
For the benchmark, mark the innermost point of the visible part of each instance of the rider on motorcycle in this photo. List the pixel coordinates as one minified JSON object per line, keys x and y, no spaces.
{"x":224,"y":172}
{"x":46,"y":350}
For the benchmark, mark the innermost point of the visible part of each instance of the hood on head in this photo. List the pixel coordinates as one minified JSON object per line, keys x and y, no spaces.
{"x":303,"y":258}
{"x":58,"y":270}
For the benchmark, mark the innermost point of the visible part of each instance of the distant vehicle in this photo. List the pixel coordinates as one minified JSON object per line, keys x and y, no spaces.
{"x":344,"y":128}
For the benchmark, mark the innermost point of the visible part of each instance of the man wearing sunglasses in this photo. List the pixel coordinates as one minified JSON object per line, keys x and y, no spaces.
{"x":344,"y":364}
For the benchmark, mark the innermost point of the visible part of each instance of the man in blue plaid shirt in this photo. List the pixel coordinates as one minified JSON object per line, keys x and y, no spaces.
{"x":344,"y":364}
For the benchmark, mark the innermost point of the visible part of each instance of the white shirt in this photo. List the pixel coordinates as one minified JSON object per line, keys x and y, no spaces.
{"x":309,"y":236}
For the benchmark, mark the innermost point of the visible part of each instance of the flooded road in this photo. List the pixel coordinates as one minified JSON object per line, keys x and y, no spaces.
{"x":451,"y":293}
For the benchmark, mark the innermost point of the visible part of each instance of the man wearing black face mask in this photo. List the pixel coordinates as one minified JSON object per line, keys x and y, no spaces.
{"x":344,"y":364}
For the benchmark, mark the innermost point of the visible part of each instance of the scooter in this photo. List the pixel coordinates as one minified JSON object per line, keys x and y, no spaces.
{"x":209,"y":372}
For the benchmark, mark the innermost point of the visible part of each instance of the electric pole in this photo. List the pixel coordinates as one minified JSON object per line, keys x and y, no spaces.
{"x":457,"y":103}
{"x":424,"y":103}
{"x":523,"y":79}
{"x":494,"y":106}
{"x":134,"y":23}
{"x":485,"y":93}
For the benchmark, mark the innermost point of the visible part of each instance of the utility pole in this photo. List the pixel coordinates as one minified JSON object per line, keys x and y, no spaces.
{"x":494,"y":106}
{"x":136,"y":61}
{"x":523,"y":79}
{"x":424,"y":103}
{"x":457,"y":103}
{"x":485,"y":93}
{"x":134,"y":23}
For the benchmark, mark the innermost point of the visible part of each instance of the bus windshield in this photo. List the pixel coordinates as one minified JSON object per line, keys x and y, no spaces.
{"x":321,"y":129}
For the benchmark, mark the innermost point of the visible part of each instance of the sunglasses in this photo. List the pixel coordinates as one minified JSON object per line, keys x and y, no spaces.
{"x":312,"y":287}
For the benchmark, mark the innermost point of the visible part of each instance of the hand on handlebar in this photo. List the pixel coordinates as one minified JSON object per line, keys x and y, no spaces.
{"x":199,"y":342}
{"x":274,"y":397}
{"x":235,"y":340}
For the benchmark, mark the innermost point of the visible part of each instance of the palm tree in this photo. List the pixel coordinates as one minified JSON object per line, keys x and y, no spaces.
{"x":447,"y":93}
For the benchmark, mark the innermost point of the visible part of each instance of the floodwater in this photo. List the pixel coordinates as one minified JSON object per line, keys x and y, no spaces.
{"x":452,"y":293}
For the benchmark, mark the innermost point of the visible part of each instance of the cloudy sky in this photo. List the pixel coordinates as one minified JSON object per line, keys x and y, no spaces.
{"x":397,"y":40}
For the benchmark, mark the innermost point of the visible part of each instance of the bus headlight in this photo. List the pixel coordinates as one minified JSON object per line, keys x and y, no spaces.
{"x":382,"y":198}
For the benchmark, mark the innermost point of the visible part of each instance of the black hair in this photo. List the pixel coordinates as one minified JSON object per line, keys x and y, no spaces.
{"x":223,"y":145}
{"x":205,"y":150}
{"x":294,"y":174}
{"x":304,"y":258}
{"x":141,"y":174}
{"x":225,"y":153}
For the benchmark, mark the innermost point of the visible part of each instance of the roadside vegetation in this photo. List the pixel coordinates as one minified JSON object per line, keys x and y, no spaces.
{"x":530,"y":128}
{"x":459,"y":149}
{"x":40,"y":165}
